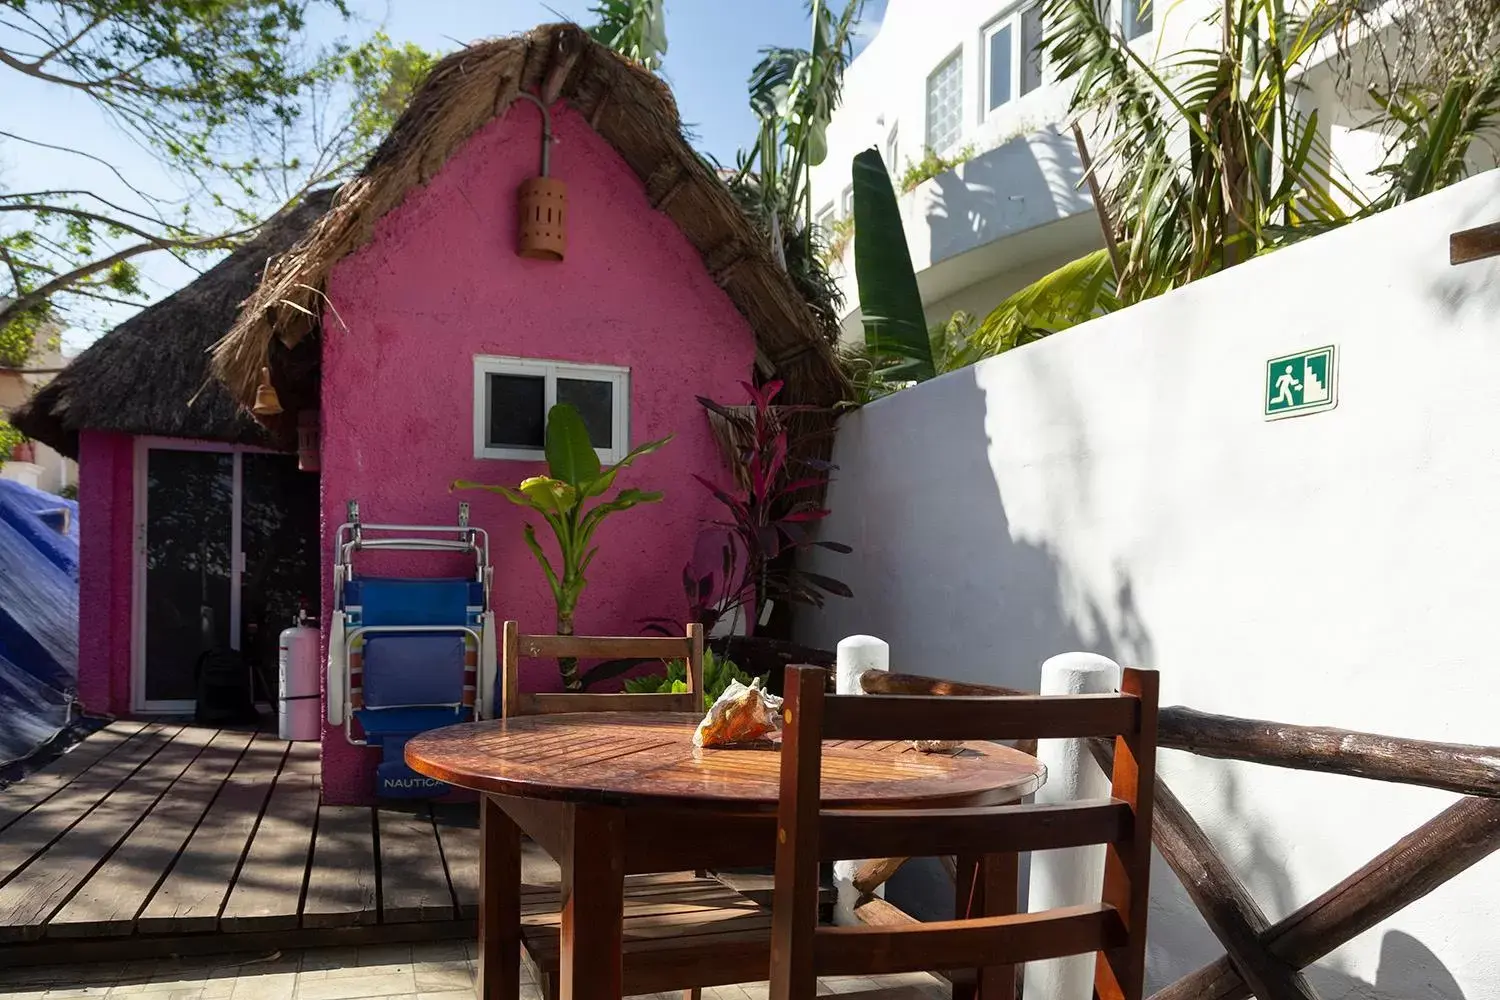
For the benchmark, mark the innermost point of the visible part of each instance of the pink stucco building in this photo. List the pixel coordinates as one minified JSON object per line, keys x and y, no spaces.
{"x":424,"y":348}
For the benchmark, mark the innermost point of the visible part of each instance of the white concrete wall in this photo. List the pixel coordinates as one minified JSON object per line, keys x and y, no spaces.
{"x":1115,"y":488}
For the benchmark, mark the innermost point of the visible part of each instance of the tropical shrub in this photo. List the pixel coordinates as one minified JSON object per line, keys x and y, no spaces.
{"x":574,"y":477}
{"x":930,"y":165}
{"x":717,"y":676}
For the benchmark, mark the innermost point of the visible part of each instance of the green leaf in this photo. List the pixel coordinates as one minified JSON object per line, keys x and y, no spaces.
{"x":601,"y":485}
{"x":570,"y":454}
{"x":541,"y":557}
{"x":889,"y":301}
{"x":549,"y":495}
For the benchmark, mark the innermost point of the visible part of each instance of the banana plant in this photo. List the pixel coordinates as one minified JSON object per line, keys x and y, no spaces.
{"x":637,"y":29}
{"x":574,"y":477}
{"x":890,"y":304}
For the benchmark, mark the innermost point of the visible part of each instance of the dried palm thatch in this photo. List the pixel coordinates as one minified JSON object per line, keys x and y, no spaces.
{"x":633,"y":111}
{"x":150,"y":374}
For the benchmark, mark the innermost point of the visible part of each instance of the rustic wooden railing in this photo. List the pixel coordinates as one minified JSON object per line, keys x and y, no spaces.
{"x":1264,"y":959}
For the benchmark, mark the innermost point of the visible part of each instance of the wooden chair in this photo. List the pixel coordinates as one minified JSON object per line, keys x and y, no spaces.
{"x":991,"y":936}
{"x":691,"y":909}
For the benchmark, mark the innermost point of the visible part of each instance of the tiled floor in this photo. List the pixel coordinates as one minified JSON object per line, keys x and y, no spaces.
{"x":440,"y":971}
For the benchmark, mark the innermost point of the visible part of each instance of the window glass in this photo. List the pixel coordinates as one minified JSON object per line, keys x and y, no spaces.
{"x":847,"y":200}
{"x":1135,"y":17}
{"x":1000,"y":65}
{"x":595,"y":402}
{"x":825,"y":220}
{"x":1031,"y":48}
{"x":517,"y":408}
{"x":945,"y":104}
{"x":892,"y":148}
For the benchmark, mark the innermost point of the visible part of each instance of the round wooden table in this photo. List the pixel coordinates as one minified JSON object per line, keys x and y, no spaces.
{"x":648,"y":759}
{"x":620,"y":793}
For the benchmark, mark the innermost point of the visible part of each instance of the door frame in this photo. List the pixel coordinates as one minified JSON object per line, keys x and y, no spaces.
{"x":139,"y":703}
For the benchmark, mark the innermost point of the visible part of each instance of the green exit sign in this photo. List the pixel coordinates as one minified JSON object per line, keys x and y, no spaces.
{"x":1306,"y":382}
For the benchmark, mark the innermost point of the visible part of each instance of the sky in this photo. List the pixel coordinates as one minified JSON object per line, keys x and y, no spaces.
{"x":712,"y":47}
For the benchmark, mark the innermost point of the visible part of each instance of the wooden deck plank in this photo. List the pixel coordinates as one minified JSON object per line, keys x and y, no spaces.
{"x":195,"y":890}
{"x":268,"y":892}
{"x":18,"y":799}
{"x":110,"y":900}
{"x":341,"y":888}
{"x":458,"y":831}
{"x":31,"y":834}
{"x":38,"y":890}
{"x":413,"y":884}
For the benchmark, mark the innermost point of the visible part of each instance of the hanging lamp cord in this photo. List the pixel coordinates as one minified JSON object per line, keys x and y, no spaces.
{"x":547,"y":138}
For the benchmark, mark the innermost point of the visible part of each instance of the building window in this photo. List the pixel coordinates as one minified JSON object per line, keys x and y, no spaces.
{"x":1135,"y":18}
{"x":892,"y":149}
{"x":1013,"y":57}
{"x":512,"y":397}
{"x":945,"y":104}
{"x":824,"y":220}
{"x":846,"y":202}
{"x":1031,"y":48}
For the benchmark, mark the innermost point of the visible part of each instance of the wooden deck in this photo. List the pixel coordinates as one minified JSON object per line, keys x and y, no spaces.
{"x":169,"y":839}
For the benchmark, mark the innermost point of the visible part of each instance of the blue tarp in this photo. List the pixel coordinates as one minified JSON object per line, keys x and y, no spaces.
{"x":38,"y":616}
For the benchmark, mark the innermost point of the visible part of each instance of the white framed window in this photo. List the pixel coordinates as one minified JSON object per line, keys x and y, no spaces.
{"x":512,"y":397}
{"x":945,"y":103}
{"x":892,"y":149}
{"x":1012,"y":56}
{"x":824,"y":220}
{"x":1135,"y":18}
{"x":846,"y":202}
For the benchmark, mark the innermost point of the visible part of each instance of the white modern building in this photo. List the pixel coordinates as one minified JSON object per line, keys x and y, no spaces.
{"x":956,"y":75}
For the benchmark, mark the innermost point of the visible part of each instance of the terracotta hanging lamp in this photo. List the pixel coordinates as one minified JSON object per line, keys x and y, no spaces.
{"x":267,"y":403}
{"x":542,"y":203}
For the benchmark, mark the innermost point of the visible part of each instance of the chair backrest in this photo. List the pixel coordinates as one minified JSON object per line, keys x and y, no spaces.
{"x":1114,"y":928}
{"x":515,"y":646}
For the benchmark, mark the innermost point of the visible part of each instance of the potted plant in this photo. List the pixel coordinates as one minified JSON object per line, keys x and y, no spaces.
{"x":561,"y":497}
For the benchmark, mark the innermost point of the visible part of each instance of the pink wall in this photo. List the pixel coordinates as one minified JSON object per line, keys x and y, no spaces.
{"x":106,"y":487}
{"x":440,"y":283}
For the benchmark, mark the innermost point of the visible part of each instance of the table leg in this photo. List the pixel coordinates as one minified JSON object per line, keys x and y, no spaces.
{"x":593,"y":904}
{"x":499,"y":903}
{"x":988,"y":886}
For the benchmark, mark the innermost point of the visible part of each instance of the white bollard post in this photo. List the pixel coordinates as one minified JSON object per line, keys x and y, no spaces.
{"x":1074,"y":875}
{"x":856,"y":654}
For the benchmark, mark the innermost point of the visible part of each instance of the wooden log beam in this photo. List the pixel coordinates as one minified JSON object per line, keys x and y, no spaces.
{"x":1453,"y":767}
{"x":1226,"y":905}
{"x":876,"y":912}
{"x":883,"y":682}
{"x":1451,"y":842}
{"x":1474,"y":244}
{"x":875,"y":873}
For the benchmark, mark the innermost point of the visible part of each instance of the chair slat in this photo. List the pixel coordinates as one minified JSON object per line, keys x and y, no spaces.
{"x":557,"y":704}
{"x":985,"y":830}
{"x":597,"y":646}
{"x":1007,"y":940}
{"x":908,"y":717}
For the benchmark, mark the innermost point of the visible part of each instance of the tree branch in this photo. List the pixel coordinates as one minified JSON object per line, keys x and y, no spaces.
{"x":62,"y":282}
{"x":78,"y":213}
{"x":62,"y":46}
{"x":88,"y":156}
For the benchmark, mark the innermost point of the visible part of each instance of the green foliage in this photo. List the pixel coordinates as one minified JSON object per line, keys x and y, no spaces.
{"x":794,"y":92}
{"x":930,"y":165}
{"x":637,"y":29}
{"x":226,"y":98}
{"x":717,"y":676}
{"x":575,"y":476}
{"x":1436,"y":131}
{"x":9,"y":438}
{"x":839,"y":235}
{"x":896,"y":335}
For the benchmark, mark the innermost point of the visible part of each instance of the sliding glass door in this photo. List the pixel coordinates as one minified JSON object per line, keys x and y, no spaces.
{"x":226,"y":548}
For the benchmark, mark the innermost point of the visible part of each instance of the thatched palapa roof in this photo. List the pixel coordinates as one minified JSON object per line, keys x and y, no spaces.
{"x":150,"y":374}
{"x":633,"y":111}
